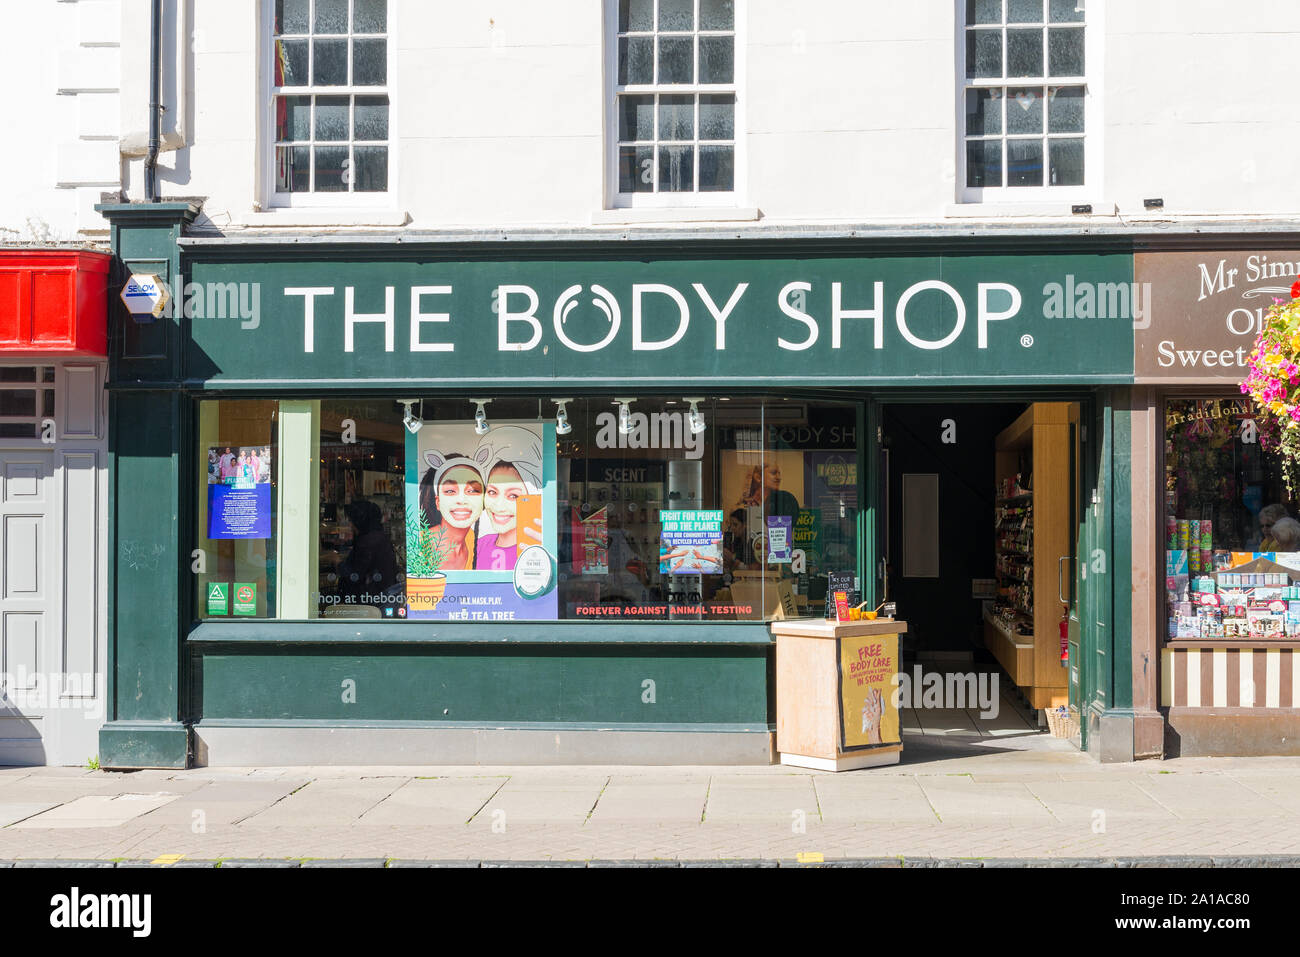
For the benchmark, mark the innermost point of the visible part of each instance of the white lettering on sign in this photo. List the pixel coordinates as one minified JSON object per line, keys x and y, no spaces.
{"x":876,"y":312}
{"x":309,"y":294}
{"x":900,"y":314}
{"x":505,"y":316}
{"x":639,"y":342}
{"x":418,"y":317}
{"x":719,"y":316}
{"x":604,"y":301}
{"x":1167,"y":356}
{"x":351,"y":318}
{"x":788,"y":308}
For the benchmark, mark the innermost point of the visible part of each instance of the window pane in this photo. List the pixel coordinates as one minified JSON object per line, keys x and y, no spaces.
{"x":1024,"y":162}
{"x":1065,"y":11}
{"x":1024,"y":53}
{"x":676,"y":169}
{"x":983,"y":11}
{"x":292,"y":118}
{"x":369,"y":16}
{"x":17,"y":401}
{"x":332,"y":169}
{"x":331,"y":66}
{"x":983,"y":53}
{"x":293,"y":169}
{"x":636,"y":169}
{"x":370,"y":119}
{"x":1024,"y":11}
{"x":331,"y":16}
{"x":984,"y":163}
{"x":1067,"y":161}
{"x":1025,"y":110}
{"x":369,"y":62}
{"x":636,"y":60}
{"x":636,"y":118}
{"x":372,"y":169}
{"x":635,"y":15}
{"x":331,"y":117}
{"x":1065,"y":51}
{"x":1065,"y":109}
{"x":677,"y":117}
{"x":717,"y":15}
{"x":717,"y":116}
{"x":291,"y":63}
{"x":17,"y":374}
{"x":717,"y":59}
{"x":717,"y":168}
{"x":235,"y":519}
{"x":676,"y":14}
{"x":291,"y":16}
{"x":676,"y":60}
{"x":17,"y":430}
{"x":48,"y":403}
{"x":983,"y":112}
{"x":47,"y":374}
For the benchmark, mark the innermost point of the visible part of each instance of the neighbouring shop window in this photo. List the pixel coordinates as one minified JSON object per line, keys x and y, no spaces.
{"x":1025,"y":91}
{"x":237,"y":509}
{"x":1231,"y":530}
{"x":329,"y":66}
{"x":26,"y":401}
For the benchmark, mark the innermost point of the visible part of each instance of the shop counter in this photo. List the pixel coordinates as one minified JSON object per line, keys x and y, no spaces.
{"x":836,"y":708}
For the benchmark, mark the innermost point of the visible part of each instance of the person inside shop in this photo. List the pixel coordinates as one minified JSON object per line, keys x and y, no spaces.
{"x":370,"y":568}
{"x":737,"y":552}
{"x":451,"y":497}
{"x":1269,"y":516}
{"x":1285,"y":535}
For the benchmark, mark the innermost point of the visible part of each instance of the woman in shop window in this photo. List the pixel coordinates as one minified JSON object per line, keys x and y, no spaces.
{"x":1269,"y":516}
{"x":451,"y":496}
{"x":515,"y":471}
{"x":1286,"y":535}
{"x":370,"y":568}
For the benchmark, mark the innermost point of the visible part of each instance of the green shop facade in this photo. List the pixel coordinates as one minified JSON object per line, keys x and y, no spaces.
{"x":432,"y":501}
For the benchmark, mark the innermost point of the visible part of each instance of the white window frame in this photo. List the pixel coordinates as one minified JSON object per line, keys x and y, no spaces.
{"x":39,"y":363}
{"x":1091,"y":190}
{"x":657,"y":200}
{"x":276,"y":199}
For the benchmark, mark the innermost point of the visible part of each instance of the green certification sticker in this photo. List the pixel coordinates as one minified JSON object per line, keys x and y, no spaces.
{"x":218,"y":598}
{"x":245,"y":599}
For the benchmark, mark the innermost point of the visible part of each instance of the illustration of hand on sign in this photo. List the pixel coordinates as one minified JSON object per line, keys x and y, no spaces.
{"x":872,"y":710}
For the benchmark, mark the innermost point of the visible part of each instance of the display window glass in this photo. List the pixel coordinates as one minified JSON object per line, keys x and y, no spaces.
{"x":595,"y":508}
{"x":1231,"y":533}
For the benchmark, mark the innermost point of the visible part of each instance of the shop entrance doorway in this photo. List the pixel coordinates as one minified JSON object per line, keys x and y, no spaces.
{"x":980,"y":512}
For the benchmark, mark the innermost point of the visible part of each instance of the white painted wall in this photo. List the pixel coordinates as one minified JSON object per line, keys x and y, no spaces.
{"x":850,"y":110}
{"x":61,"y":61}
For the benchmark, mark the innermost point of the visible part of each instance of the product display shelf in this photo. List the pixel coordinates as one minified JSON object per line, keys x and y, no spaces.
{"x":1032,"y":531}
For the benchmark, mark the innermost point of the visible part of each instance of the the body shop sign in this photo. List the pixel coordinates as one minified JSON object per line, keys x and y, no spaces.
{"x":901,"y":319}
{"x":1207,"y":309}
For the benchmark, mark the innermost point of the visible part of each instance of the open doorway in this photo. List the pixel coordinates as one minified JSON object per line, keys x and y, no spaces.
{"x":979,"y":503}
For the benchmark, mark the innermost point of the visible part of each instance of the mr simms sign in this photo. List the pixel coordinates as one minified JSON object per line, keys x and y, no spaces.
{"x":1207,"y":309}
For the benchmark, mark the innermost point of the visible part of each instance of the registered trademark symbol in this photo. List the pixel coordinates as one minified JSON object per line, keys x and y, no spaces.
{"x":1026,"y":340}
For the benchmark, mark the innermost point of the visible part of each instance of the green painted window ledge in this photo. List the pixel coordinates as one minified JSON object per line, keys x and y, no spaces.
{"x":445,"y":632}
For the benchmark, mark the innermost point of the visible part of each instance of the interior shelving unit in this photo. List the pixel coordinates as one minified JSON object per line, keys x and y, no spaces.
{"x":1032,"y":533}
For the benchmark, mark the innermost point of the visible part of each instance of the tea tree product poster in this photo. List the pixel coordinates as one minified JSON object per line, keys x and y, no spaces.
{"x":481,"y":536}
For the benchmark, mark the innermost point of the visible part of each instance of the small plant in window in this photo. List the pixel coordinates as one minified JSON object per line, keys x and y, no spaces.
{"x":1273,"y":381}
{"x":424,"y":550}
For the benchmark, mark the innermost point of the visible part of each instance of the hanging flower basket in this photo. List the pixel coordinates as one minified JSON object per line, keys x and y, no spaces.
{"x":1273,"y":381}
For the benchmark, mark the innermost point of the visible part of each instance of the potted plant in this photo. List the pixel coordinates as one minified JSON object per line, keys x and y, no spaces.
{"x":1273,"y":381}
{"x":425,"y":581}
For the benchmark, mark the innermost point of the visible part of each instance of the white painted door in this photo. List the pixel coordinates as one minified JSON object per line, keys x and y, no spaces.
{"x":52,"y":515}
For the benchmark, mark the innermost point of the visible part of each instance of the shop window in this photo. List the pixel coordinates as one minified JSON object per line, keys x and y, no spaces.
{"x":330,"y":105}
{"x":235,"y":563}
{"x":674,"y":99}
{"x":1231,"y":528}
{"x":27,"y":396}
{"x":1024,"y":97}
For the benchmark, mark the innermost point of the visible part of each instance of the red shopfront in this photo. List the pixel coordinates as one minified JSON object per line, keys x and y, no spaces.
{"x":53,"y":503}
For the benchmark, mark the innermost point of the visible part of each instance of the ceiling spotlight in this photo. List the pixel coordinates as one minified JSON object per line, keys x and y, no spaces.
{"x":624,"y":416}
{"x":412,"y":422}
{"x":481,"y":426}
{"x":695,"y":418}
{"x":562,"y":426}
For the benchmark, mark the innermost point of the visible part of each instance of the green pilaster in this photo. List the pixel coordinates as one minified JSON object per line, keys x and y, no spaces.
{"x":148,"y":444}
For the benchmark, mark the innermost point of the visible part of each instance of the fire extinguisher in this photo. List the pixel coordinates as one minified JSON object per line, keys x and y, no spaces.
{"x":1064,"y":627}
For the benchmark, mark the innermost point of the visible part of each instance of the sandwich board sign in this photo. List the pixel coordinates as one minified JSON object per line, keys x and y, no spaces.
{"x":145,"y":295}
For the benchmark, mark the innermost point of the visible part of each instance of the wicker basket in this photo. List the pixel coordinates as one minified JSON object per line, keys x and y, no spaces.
{"x":1062,"y":722}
